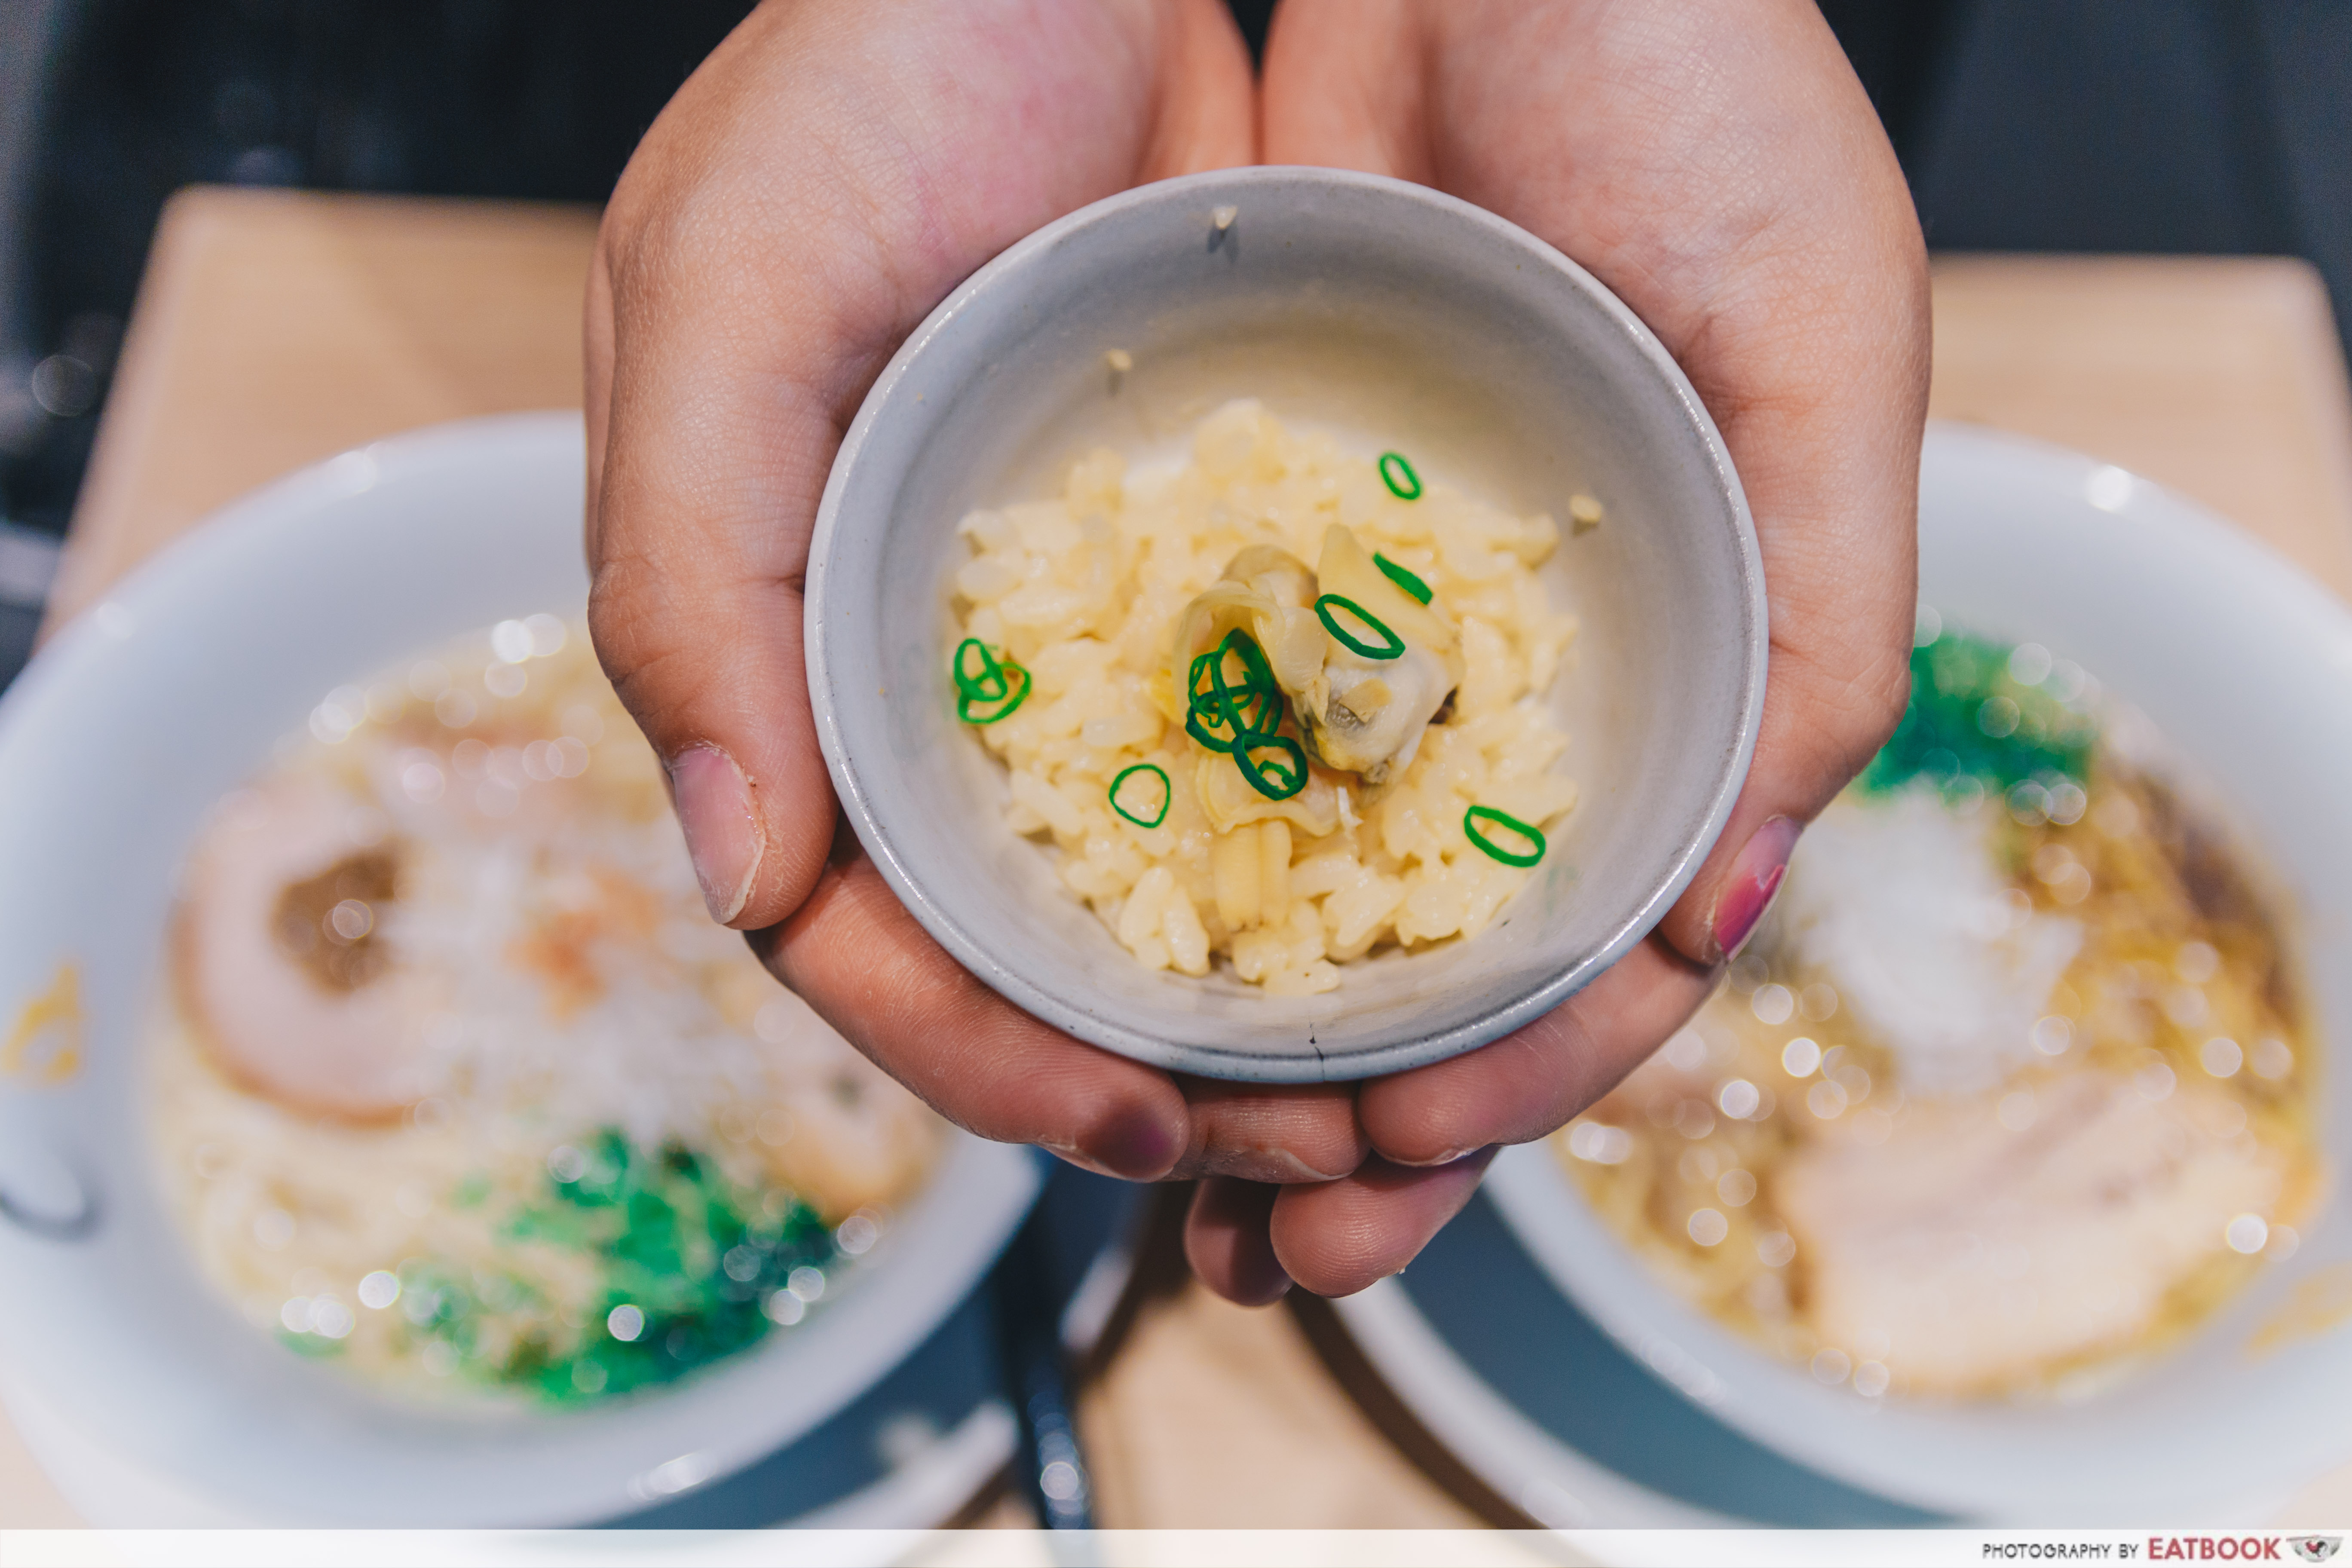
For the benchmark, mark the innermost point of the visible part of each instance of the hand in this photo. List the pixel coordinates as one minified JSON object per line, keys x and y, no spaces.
{"x":1720,"y":169}
{"x":822,"y":181}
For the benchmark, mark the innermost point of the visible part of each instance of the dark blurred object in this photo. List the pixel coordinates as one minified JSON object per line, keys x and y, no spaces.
{"x":1032,"y":1288}
{"x":2216,"y":126}
{"x":28,"y":560}
{"x":108,"y":106}
{"x":1253,"y":17}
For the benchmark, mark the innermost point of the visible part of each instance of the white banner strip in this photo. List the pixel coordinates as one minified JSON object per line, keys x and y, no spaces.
{"x":1155,"y":1548}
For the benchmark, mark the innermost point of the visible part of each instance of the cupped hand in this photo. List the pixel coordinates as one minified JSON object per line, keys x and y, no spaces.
{"x":835,"y":169}
{"x":1718,"y":167}
{"x":819,"y":184}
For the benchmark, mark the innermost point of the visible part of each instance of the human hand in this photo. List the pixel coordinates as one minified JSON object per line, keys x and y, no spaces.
{"x":1719,"y":168}
{"x":822,"y":181}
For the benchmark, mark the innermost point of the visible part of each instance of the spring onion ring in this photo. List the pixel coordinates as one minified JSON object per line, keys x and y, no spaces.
{"x":1393,"y":464}
{"x":1167,"y":795}
{"x":1477,"y":814}
{"x":1410,"y":582}
{"x":971,"y":708}
{"x":1279,"y":782}
{"x":1393,"y":647}
{"x":988,"y":683}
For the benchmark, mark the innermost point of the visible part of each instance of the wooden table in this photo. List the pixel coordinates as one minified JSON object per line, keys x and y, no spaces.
{"x":275,"y":329}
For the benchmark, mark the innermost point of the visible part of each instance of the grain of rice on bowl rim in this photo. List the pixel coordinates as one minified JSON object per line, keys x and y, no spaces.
{"x":1104,"y":608}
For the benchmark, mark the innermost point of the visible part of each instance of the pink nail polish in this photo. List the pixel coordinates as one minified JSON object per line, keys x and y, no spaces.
{"x":1133,"y":1144}
{"x":722,"y":834}
{"x":1756,"y":874}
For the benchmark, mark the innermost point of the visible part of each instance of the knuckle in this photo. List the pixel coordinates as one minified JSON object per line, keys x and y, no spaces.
{"x":1843,"y":703}
{"x":1877,"y":698}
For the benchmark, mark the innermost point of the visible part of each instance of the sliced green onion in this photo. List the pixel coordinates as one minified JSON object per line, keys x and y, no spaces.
{"x":1199,"y":731}
{"x":1477,"y":814}
{"x":983,"y":682}
{"x":1218,"y":714}
{"x":974,"y":710}
{"x":1284,"y":776}
{"x":1167,"y":795}
{"x":1218,"y":719}
{"x":1402,"y":578}
{"x":1398,"y":475}
{"x":1238,"y":644}
{"x":1215,"y":726}
{"x":1393,"y":647}
{"x":1241,"y":721}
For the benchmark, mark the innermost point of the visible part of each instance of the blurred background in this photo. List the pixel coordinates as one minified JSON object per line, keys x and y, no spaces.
{"x":2211,"y":126}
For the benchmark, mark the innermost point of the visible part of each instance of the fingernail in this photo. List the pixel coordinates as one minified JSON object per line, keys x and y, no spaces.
{"x":1069,"y":1155}
{"x":1277,"y":1167}
{"x":1447,"y":1158}
{"x":1755,"y":877}
{"x":722,"y":834}
{"x":1135,"y":1146}
{"x":1295,"y":1170}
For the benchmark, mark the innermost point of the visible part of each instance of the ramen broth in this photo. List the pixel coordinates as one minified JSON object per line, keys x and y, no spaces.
{"x":2014,"y":1084}
{"x":458,"y":1086}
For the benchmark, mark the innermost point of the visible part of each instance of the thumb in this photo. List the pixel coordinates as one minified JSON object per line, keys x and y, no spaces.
{"x":1840,"y":570}
{"x":825,"y":178}
{"x":698,"y":535}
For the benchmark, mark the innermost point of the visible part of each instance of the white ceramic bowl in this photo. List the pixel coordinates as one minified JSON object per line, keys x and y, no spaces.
{"x":113,"y":745}
{"x":2246,"y":665}
{"x":1398,"y":317}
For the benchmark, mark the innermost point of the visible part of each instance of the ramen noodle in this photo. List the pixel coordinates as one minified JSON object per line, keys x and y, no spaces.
{"x":2012,"y":1087}
{"x":459,"y":1086}
{"x":1281,"y":706}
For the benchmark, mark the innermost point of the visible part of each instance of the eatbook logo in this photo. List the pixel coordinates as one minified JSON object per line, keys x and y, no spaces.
{"x":2316,"y":1548}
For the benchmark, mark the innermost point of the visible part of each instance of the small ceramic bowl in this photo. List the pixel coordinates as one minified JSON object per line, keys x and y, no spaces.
{"x":1394,"y":317}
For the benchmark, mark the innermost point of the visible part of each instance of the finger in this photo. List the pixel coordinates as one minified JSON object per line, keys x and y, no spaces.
{"x":1834,"y":491}
{"x":1338,"y":1237}
{"x":1531,"y":1081}
{"x":825,"y":178}
{"x":1204,"y":114}
{"x":1272,"y":1132}
{"x":854,"y":954}
{"x":857,"y":957}
{"x":1798,"y":306}
{"x":709,"y":439}
{"x":596,"y":345}
{"x":1636,"y":139}
{"x":1226,"y":1241}
{"x":1347,"y":84}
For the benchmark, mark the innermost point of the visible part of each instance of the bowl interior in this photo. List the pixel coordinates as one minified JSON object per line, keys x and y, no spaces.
{"x":1394,"y":318}
{"x":113,"y":747}
{"x":2245,"y":665}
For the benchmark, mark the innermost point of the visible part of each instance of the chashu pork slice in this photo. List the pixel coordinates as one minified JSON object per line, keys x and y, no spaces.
{"x":1966,"y":1255}
{"x":294,"y":988}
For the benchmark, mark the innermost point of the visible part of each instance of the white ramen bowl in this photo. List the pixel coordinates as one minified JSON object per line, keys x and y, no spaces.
{"x":1394,"y":317}
{"x":2245,"y":664}
{"x":113,"y":745}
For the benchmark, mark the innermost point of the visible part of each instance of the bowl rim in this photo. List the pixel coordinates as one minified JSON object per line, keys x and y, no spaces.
{"x":829,"y":693}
